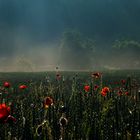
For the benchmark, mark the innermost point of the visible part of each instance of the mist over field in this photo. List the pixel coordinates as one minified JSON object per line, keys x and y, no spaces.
{"x":73,"y":35}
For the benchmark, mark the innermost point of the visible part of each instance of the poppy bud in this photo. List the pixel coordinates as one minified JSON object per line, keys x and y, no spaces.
{"x":40,"y":127}
{"x":6,"y":84}
{"x":58,"y":76}
{"x":123,"y":82}
{"x":96,"y":75}
{"x":120,"y":92}
{"x":63,"y":121}
{"x":126,"y":93}
{"x":96,"y":87}
{"x":48,"y":101}
{"x":39,"y":130}
{"x":22,"y":87}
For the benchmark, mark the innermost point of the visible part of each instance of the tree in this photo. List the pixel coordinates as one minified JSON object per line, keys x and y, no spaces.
{"x":76,"y":51}
{"x":127,"y":51}
{"x":24,"y":64}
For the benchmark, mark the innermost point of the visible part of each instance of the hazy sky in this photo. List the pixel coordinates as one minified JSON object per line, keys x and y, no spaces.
{"x":29,"y":26}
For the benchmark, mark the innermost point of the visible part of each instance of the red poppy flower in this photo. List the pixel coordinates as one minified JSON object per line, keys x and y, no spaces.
{"x":87,"y":88}
{"x":96,"y":75}
{"x":22,"y":87}
{"x":4,"y":112}
{"x":48,"y":102}
{"x":104,"y":91}
{"x":6,"y":84}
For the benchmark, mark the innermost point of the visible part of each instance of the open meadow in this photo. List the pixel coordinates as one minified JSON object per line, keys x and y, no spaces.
{"x":70,"y":105}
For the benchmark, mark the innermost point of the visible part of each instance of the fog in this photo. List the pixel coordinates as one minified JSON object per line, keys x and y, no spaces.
{"x":32,"y":35}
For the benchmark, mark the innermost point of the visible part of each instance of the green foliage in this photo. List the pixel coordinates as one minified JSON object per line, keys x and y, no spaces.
{"x":76,"y":51}
{"x":90,"y":115}
{"x":76,"y":40}
{"x":120,"y":44}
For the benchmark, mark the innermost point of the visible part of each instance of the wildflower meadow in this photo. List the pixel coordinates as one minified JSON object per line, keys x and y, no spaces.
{"x":70,"y":106}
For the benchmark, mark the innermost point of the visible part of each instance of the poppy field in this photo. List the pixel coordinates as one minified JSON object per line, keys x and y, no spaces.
{"x":70,"y":105}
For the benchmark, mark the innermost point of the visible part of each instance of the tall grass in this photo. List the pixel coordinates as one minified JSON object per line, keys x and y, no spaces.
{"x":89,"y":115}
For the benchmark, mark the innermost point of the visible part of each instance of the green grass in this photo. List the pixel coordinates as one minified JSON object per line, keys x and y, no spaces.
{"x":90,"y":115}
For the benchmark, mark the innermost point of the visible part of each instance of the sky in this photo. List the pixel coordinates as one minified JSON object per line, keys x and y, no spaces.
{"x":31,"y":30}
